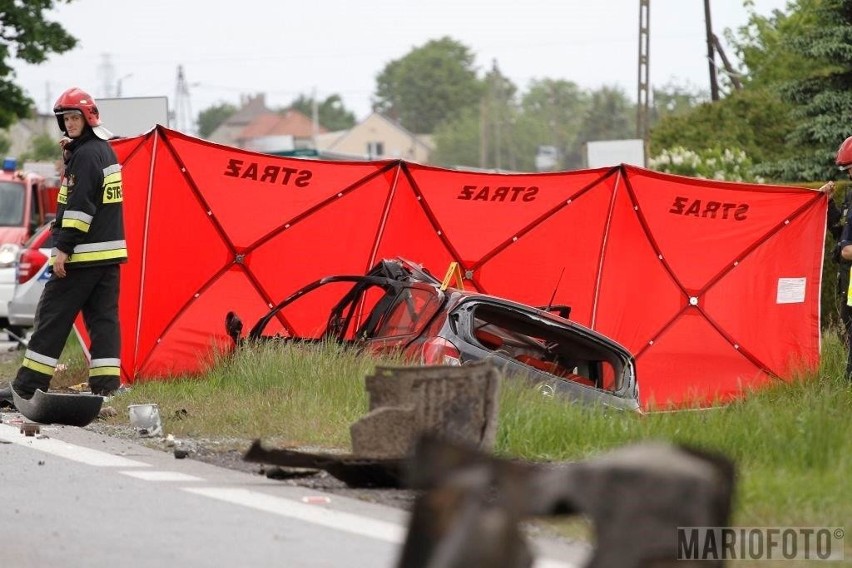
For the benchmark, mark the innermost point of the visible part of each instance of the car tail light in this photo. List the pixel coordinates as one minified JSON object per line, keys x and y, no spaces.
{"x":29,"y":263}
{"x":439,"y":351}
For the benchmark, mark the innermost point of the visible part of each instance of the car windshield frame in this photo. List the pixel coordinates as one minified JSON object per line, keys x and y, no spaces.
{"x":348,"y":318}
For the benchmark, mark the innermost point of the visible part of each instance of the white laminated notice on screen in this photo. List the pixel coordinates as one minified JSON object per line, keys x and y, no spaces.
{"x":791,"y":290}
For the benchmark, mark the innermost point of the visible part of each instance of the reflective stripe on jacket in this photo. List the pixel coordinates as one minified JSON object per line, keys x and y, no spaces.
{"x":89,"y":223}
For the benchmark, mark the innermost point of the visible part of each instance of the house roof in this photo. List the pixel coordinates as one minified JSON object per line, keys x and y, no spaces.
{"x":292,"y":123}
{"x":229,"y":130}
{"x":250,"y":108}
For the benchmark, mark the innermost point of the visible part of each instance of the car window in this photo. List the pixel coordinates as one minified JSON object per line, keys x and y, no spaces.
{"x":411,"y":311}
{"x":11,"y":204}
{"x":541,"y":345}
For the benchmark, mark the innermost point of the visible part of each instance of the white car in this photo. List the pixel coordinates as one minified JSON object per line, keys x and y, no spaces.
{"x":8,"y":256}
{"x":31,"y":271}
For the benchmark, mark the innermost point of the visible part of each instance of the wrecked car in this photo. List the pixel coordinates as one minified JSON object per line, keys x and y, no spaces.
{"x":399,"y":307}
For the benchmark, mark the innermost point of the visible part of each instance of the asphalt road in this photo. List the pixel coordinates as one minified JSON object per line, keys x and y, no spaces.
{"x":74,"y":498}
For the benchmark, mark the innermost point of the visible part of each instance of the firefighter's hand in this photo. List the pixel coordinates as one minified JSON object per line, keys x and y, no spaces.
{"x":59,"y":264}
{"x":828,"y":188}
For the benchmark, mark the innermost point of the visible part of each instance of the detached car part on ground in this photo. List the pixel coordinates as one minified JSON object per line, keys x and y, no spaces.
{"x":400,"y":307}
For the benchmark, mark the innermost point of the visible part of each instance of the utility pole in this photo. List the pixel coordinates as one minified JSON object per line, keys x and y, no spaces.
{"x":729,"y":69}
{"x":711,"y":53}
{"x":183,"y":112}
{"x":642,"y":103}
{"x":483,"y":130}
{"x":314,"y":118}
{"x":496,"y":84}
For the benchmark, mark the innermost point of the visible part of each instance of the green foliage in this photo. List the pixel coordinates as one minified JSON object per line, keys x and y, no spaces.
{"x":673,"y":99}
{"x":755,"y":120}
{"x":43,"y":148}
{"x":822,"y":97}
{"x":458,"y":142}
{"x":484,"y":135}
{"x":499,"y":115}
{"x":713,"y":163}
{"x":550,"y":113}
{"x":611,"y":116}
{"x":429,"y":85}
{"x":553,"y":115}
{"x":210,"y":119}
{"x":5,"y":144}
{"x":26,"y":34}
{"x":796,"y":106}
{"x":332,"y":115}
{"x":306,"y":394}
{"x":791,"y":443}
{"x":762,"y":45}
{"x":501,"y":134}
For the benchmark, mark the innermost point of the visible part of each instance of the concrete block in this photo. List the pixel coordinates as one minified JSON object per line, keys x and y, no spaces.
{"x":457,"y":403}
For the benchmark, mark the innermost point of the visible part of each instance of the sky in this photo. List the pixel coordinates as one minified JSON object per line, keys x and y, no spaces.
{"x":228,"y":50}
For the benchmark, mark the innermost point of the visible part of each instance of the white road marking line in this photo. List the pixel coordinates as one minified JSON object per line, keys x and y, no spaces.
{"x":66,"y":450}
{"x":355,"y":524}
{"x":347,"y":522}
{"x":149,"y":475}
{"x":318,"y":515}
{"x":548,"y":563}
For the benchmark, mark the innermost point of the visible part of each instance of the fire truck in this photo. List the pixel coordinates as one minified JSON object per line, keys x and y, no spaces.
{"x":27,"y":201}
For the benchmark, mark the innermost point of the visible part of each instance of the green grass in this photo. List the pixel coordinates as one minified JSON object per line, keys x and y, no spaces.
{"x":792,"y":444}
{"x":296,"y":395}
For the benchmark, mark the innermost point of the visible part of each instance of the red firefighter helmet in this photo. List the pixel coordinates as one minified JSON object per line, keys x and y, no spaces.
{"x":80,"y":100}
{"x":844,"y":155}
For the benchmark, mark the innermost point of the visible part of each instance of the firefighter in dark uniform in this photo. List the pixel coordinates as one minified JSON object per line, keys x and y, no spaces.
{"x":844,"y":257}
{"x":89,"y":246}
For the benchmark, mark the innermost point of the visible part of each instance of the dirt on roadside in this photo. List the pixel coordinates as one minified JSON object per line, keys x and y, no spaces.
{"x":228,"y":453}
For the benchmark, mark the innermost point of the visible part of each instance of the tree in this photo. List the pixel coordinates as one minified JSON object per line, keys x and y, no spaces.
{"x":611,"y":116}
{"x":43,"y":148}
{"x":332,"y":115}
{"x":498,"y":145}
{"x":210,"y":119}
{"x":429,"y":85}
{"x":762,"y":46}
{"x":553,"y":112}
{"x":458,"y":141}
{"x":5,"y":144}
{"x":673,"y":99}
{"x":27,"y":35}
{"x":482,"y":135}
{"x":754,"y":120}
{"x":822,"y":99}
